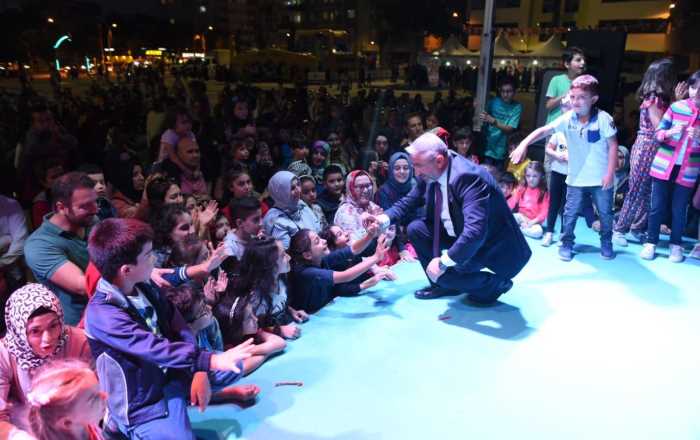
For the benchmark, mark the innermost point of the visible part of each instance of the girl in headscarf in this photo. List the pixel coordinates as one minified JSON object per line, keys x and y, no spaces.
{"x":290,"y":213}
{"x":399,"y":183}
{"x":320,"y":152}
{"x":35,"y":335}
{"x":356,"y":204}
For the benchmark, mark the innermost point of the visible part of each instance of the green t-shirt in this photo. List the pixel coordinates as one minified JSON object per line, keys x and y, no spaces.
{"x":506,"y":114}
{"x":558,"y":86}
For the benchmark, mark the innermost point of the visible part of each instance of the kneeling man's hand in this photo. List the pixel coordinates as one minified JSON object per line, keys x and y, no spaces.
{"x":433,"y":270}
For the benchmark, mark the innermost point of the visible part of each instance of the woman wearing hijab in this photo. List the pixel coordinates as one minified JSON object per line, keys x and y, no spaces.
{"x":36,"y":334}
{"x":320,"y":152}
{"x":357,"y":202}
{"x":290,"y":213}
{"x":399,"y":183}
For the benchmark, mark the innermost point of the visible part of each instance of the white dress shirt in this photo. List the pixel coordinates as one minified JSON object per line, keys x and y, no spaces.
{"x":445,"y":208}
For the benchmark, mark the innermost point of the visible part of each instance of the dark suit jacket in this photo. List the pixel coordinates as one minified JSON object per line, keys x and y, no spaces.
{"x":487,"y":234}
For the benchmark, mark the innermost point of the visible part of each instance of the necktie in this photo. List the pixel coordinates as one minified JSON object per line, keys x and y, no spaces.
{"x":437,"y":220}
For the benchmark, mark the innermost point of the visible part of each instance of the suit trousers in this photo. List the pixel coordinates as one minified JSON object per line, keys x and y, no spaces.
{"x":466,"y":277}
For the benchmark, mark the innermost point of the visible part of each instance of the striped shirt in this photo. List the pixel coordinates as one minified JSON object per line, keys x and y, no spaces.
{"x":678,"y":149}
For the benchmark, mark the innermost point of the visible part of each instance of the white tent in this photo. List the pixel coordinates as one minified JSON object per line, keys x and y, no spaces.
{"x":552,"y":48}
{"x":453,"y":48}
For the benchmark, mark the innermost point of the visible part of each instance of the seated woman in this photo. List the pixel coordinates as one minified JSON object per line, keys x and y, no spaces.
{"x":66,"y":402}
{"x":128,"y":194}
{"x":376,"y":160}
{"x":357,"y":204}
{"x":319,"y":275}
{"x":399,"y":183}
{"x":320,"y":151}
{"x":161,"y":191}
{"x":35,"y":335}
{"x":289,"y":214}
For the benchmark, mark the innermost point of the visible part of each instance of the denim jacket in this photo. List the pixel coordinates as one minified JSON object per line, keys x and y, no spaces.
{"x":133,"y":364}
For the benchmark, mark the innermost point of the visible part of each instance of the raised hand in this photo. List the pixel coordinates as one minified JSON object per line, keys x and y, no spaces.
{"x":208,"y":214}
{"x":216,"y":256}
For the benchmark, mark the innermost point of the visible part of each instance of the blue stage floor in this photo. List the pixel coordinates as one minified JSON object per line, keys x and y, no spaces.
{"x":589,"y":349}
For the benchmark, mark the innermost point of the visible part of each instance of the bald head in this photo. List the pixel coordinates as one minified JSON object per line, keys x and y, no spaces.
{"x":187,"y":152}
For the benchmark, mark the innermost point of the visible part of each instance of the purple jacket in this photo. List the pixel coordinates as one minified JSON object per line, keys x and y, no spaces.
{"x":133,"y":364}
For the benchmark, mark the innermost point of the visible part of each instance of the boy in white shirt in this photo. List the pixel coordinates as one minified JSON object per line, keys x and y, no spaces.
{"x":592,"y":152}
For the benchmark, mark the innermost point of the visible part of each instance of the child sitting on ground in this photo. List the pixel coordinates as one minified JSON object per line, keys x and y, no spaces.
{"x":308,"y":195}
{"x":263,"y":268}
{"x":507,"y":183}
{"x":530,"y":201}
{"x":147,"y":358}
{"x":319,"y":275}
{"x":66,"y":402}
{"x":239,"y":322}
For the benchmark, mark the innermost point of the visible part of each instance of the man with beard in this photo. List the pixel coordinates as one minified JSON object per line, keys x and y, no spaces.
{"x":57,"y":251}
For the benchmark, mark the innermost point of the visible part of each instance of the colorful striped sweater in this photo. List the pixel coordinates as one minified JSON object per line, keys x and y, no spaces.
{"x":679,"y":113}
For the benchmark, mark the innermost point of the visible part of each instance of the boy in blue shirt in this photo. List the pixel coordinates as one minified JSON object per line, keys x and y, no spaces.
{"x":592,"y":145}
{"x":146,"y":356}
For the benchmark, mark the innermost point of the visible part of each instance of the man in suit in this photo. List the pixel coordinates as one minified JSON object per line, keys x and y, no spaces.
{"x":467,"y":227}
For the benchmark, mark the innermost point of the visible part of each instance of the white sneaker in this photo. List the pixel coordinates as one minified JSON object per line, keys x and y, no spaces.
{"x":648,"y":251}
{"x":619,"y":239}
{"x":547,"y":239}
{"x":695,"y":253}
{"x":676,"y":255}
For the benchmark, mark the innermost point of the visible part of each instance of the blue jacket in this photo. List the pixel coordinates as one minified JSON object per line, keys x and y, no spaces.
{"x":487,"y":233}
{"x":133,"y":364}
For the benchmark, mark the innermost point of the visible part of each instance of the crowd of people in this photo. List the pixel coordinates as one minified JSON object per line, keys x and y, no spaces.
{"x":156,"y":247}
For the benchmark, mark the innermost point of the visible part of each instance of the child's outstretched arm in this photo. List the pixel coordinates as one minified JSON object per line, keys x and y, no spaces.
{"x":519,"y":153}
{"x":362,"y":267}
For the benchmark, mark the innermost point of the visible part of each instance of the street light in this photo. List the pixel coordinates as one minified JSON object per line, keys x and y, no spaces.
{"x":211,"y":28}
{"x":114,"y":25}
{"x":455,"y":14}
{"x":50,"y":19}
{"x":671,"y":6}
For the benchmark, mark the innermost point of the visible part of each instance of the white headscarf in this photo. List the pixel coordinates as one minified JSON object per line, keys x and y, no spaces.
{"x":22,"y":303}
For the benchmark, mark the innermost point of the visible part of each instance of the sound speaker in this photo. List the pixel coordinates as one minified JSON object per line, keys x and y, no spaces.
{"x":604,"y":51}
{"x":536,"y":151}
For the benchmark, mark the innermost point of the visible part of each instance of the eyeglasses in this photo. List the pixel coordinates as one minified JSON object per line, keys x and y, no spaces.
{"x":364,"y":186}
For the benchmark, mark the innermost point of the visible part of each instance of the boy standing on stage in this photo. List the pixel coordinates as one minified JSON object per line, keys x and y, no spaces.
{"x":592,"y":142}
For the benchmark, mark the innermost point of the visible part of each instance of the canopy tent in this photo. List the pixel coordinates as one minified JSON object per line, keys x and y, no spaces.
{"x":453,"y":48}
{"x":502,"y":47}
{"x":552,"y":48}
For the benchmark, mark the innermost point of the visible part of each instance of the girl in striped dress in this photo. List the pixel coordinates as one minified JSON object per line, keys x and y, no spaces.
{"x":674,"y":170}
{"x":655,"y":94}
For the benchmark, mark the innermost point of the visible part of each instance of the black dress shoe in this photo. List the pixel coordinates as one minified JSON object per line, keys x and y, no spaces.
{"x":434,"y":292}
{"x":488,"y":300}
